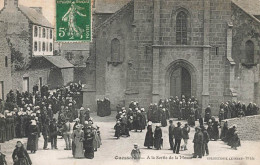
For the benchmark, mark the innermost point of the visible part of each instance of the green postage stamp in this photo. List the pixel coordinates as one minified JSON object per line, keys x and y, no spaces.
{"x":73,"y":20}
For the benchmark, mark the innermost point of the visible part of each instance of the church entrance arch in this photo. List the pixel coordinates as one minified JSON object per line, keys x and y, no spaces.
{"x":181,"y":79}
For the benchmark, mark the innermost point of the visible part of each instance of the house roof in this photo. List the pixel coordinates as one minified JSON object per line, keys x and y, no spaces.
{"x":250,"y":6}
{"x":109,"y":6}
{"x":35,"y":17}
{"x":59,"y":61}
{"x":75,"y":46}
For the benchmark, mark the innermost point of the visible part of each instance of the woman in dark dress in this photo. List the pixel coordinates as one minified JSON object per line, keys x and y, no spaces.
{"x":163,"y":118}
{"x":149,"y":136}
{"x":215,"y":130}
{"x":32,"y":144}
{"x":88,"y":143}
{"x":157,"y":137}
{"x":20,"y":155}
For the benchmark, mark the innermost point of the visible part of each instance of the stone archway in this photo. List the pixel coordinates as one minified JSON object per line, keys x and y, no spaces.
{"x":181,"y":78}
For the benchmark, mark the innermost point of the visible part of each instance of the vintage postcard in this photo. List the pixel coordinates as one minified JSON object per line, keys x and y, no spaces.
{"x":129,"y":82}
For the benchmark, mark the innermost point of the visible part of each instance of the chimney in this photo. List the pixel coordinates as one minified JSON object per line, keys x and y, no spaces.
{"x":38,"y":9}
{"x":11,"y":3}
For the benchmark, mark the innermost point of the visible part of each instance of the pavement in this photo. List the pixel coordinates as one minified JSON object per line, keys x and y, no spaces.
{"x":117,"y":151}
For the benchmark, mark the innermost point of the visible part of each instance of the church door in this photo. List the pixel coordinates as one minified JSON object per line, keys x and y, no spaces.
{"x":180,"y":83}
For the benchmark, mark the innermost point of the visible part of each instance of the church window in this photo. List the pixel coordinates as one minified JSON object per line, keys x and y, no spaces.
{"x":249,"y":52}
{"x":115,"y":50}
{"x":181,"y":28}
{"x":6,"y":61}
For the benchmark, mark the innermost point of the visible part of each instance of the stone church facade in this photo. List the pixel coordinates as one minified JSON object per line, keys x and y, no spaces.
{"x":149,"y":50}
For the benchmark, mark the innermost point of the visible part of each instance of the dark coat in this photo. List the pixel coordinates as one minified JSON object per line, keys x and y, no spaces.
{"x":32,"y":143}
{"x":171,"y":128}
{"x":117,"y":128}
{"x":157,"y":138}
{"x":177,"y":132}
{"x":149,"y":137}
{"x":185,"y":132}
{"x":21,"y":157}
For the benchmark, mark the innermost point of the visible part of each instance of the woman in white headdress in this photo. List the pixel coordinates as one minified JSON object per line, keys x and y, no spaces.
{"x":77,"y":139}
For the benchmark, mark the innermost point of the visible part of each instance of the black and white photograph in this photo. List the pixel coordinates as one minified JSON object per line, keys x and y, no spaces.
{"x":127,"y":82}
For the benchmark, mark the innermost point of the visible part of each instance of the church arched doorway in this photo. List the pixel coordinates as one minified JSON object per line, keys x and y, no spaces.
{"x":180,"y":82}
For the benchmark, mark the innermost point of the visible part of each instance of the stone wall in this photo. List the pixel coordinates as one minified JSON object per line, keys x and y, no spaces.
{"x":5,"y":72}
{"x":18,"y":29}
{"x":33,"y":75}
{"x":111,"y":78}
{"x":246,"y":27}
{"x":248,"y":127}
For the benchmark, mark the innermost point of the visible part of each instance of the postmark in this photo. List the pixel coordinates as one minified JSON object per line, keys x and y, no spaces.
{"x":73,"y":20}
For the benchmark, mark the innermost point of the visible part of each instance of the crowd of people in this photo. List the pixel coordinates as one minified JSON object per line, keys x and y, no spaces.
{"x":236,"y":109}
{"x":132,"y":119}
{"x":48,"y":114}
{"x":209,"y":128}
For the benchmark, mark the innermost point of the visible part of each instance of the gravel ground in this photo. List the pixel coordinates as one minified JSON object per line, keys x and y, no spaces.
{"x":115,"y":151}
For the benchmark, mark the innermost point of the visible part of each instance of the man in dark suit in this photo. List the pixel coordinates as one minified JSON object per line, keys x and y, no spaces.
{"x":171,"y":136}
{"x":177,"y":132}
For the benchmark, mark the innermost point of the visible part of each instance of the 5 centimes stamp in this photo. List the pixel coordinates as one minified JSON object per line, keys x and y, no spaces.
{"x":73,"y":20}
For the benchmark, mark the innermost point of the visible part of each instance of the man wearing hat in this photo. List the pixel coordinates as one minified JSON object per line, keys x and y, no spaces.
{"x":177,"y":132}
{"x":198,"y":143}
{"x":171,"y":136}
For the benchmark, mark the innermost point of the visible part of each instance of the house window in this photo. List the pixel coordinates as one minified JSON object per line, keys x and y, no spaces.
{"x":39,"y":45}
{"x":181,"y":28}
{"x":35,"y":31}
{"x":50,"y":47}
{"x":6,"y":61}
{"x":35,"y":46}
{"x":43,"y":46}
{"x":47,"y":47}
{"x":69,"y":55}
{"x":43,"y":33}
{"x":250,"y":52}
{"x":51,"y":34}
{"x":115,"y":50}
{"x":47,"y":33}
{"x":40,"y":32}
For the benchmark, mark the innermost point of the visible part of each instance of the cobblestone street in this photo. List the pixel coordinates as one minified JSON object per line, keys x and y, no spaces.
{"x":115,"y":151}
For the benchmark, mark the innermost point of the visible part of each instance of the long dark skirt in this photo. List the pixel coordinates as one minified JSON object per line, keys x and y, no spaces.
{"x":22,"y":161}
{"x":32,"y":143}
{"x":157,"y":143}
{"x":148,"y":142}
{"x":89,"y":152}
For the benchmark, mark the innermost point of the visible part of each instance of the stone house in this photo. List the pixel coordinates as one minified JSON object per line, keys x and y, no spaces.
{"x":30,"y":38}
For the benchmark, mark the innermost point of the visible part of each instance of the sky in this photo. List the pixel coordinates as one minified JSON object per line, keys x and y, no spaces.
{"x":48,"y":7}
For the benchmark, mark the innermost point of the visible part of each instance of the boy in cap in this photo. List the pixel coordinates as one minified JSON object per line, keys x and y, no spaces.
{"x":136,"y":154}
